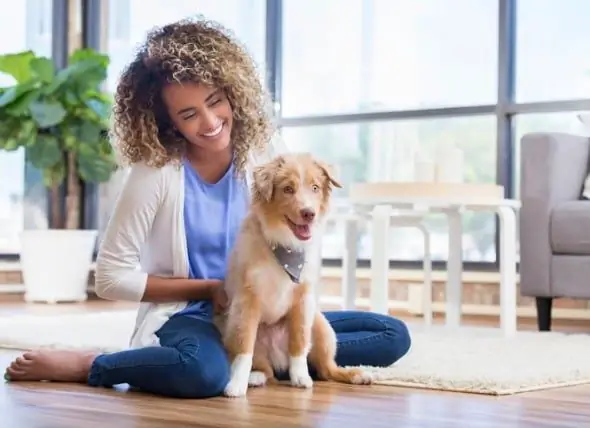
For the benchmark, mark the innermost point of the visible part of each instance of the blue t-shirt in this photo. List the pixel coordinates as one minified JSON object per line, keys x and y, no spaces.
{"x":213,"y":214}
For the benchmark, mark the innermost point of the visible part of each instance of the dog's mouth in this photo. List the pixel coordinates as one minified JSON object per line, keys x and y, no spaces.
{"x":301,"y":231}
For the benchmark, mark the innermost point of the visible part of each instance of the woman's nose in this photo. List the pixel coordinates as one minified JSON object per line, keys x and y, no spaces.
{"x":210,"y":121}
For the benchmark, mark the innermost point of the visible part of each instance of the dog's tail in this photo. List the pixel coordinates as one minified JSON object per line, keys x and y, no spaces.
{"x":353,"y":375}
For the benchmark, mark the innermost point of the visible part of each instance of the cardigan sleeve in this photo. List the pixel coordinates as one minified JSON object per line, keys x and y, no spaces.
{"x":117,"y":275}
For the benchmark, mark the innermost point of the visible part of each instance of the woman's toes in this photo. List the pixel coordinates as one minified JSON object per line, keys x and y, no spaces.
{"x":22,"y":362}
{"x":13,"y":374}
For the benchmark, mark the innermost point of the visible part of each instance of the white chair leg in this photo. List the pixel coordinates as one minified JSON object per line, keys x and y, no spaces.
{"x":427,"y":269}
{"x":349,"y":261}
{"x":380,"y":225}
{"x":454,"y":289}
{"x":508,"y":302}
{"x":315,"y":260}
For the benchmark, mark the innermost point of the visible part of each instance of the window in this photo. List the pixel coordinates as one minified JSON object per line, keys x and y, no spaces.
{"x":381,"y":151}
{"x":131,"y":19}
{"x":552,"y":62}
{"x":366,"y":55}
{"x":23,"y":25}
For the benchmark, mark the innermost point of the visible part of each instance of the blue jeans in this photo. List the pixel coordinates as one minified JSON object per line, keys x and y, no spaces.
{"x":192,"y":363}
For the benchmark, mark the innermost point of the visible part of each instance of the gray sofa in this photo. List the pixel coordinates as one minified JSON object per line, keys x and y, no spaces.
{"x":554,"y":220}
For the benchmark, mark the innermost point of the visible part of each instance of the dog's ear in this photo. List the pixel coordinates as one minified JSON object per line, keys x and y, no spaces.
{"x":329,"y":174}
{"x":263,"y":179}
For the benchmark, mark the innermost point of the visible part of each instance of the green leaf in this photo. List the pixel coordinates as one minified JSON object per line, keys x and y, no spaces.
{"x":55,"y":175}
{"x":47,"y":113}
{"x":17,"y":65}
{"x":43,"y":69}
{"x":11,"y":94}
{"x":94,"y":167}
{"x":10,"y":144}
{"x":100,"y":107}
{"x":20,"y":106}
{"x":46,"y":152}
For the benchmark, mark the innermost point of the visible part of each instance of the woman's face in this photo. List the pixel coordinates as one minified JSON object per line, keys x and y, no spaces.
{"x":202,"y":114}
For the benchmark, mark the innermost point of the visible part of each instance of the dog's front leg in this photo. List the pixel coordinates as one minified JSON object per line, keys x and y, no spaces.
{"x":243,"y":324}
{"x":300,"y":320}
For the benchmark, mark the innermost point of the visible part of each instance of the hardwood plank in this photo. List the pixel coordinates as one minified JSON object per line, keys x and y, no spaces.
{"x":49,"y":405}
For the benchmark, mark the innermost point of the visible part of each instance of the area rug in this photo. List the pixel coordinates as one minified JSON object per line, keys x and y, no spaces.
{"x":471,"y":360}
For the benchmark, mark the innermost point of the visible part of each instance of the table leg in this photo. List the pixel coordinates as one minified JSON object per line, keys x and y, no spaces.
{"x":349,"y":261}
{"x":380,"y":225}
{"x":454,"y":269}
{"x":508,"y":318}
{"x":427,"y":272}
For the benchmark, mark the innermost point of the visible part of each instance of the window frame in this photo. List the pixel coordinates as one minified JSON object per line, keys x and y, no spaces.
{"x":93,"y":23}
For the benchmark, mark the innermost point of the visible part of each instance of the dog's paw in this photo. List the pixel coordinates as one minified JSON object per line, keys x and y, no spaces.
{"x":299,"y":372}
{"x":256,"y":378}
{"x":235,"y":388}
{"x":361,"y":377}
{"x":300,"y":379}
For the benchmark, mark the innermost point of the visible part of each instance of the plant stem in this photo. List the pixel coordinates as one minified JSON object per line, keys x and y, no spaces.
{"x":73,"y":196}
{"x":56,"y":219}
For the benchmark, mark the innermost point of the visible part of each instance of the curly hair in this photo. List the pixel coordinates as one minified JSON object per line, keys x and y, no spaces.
{"x":195,"y":50}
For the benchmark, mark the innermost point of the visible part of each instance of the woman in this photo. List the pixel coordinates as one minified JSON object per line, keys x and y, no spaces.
{"x":191,"y":118}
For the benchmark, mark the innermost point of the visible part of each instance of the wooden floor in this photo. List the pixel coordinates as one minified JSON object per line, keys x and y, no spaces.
{"x":49,"y":405}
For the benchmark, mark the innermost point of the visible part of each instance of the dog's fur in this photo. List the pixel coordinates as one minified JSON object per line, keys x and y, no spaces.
{"x":272,"y":323}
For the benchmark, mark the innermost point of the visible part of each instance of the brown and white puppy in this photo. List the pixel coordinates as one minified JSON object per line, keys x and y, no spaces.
{"x":272,"y":322}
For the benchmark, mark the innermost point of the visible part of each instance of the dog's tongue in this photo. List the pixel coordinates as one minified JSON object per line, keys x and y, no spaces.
{"x":303,"y":232}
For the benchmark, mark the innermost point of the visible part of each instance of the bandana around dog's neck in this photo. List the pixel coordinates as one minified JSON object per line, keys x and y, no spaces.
{"x":292,"y":261}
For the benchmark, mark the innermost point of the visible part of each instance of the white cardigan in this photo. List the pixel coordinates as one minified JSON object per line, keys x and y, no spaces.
{"x":146,"y":235}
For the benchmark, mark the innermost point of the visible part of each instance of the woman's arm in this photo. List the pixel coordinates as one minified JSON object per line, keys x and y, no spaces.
{"x":161,"y":289}
{"x":117,"y":276}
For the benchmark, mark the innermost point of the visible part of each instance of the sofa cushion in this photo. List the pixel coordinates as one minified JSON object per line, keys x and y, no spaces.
{"x":570,"y":228}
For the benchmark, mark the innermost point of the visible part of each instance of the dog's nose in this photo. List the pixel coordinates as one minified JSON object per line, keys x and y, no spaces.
{"x":307,"y":214}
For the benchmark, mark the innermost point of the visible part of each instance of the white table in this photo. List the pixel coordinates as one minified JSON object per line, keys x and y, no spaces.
{"x":384,"y":207}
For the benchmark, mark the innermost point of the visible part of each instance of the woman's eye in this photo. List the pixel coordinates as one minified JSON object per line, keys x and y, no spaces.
{"x":315,"y":188}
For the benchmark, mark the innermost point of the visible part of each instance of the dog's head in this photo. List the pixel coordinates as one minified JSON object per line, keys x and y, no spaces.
{"x":291,"y":194}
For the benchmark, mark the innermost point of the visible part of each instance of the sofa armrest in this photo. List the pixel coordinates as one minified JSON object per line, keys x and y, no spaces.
{"x":553,"y":169}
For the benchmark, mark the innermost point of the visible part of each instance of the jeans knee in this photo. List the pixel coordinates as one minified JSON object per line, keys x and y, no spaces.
{"x":201,"y":379}
{"x":398,"y":339}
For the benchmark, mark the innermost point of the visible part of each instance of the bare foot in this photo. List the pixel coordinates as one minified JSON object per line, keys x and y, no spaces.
{"x":51,"y":365}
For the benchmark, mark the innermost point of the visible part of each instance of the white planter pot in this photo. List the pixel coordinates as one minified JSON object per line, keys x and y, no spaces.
{"x":56,"y":263}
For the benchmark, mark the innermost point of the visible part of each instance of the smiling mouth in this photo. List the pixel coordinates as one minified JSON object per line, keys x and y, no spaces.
{"x":215,"y":132}
{"x":301,"y":231}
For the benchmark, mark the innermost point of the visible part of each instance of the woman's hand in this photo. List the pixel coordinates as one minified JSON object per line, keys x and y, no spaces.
{"x":219,"y":298}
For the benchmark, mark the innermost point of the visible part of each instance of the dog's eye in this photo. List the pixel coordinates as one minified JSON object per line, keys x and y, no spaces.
{"x":315,"y":188}
{"x":288,"y":189}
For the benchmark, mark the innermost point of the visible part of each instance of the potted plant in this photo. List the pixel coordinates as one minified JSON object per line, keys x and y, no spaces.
{"x":60,"y":118}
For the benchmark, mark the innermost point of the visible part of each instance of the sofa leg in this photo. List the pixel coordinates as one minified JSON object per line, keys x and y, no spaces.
{"x":544,"y":305}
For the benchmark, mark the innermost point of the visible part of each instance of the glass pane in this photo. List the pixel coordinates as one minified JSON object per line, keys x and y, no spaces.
{"x":24,"y":25}
{"x":365,"y":55}
{"x":568,"y":122}
{"x":552,"y":50}
{"x":129,"y":20}
{"x":382,"y":151}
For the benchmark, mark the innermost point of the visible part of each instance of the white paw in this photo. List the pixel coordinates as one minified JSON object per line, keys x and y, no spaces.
{"x":362,"y":378}
{"x":236,"y":388}
{"x":240,"y":372}
{"x":301,"y":380}
{"x":256,"y":378}
{"x":299,"y":373}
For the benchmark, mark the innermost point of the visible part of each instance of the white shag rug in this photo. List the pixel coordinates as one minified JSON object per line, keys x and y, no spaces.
{"x":472,"y":360}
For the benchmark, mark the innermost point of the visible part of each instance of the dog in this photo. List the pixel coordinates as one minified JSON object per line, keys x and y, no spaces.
{"x":272,"y":323}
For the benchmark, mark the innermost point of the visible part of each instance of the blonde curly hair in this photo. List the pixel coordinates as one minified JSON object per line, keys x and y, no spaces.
{"x":195,"y":50}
